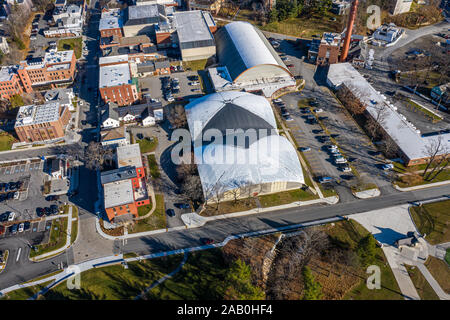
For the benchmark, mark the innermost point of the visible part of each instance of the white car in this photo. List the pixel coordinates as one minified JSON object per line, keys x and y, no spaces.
{"x":194,"y":83}
{"x":16,"y":195}
{"x":21,"y":227}
{"x":277,"y":100}
{"x":334,"y":151}
{"x":318,"y":110}
{"x":11,"y":216}
{"x":340,"y":160}
{"x":388,"y":166}
{"x":345,"y":169}
{"x":332,"y":147}
{"x":80,"y":102}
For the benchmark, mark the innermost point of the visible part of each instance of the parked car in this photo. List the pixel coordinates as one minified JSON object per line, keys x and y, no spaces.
{"x":313,"y":103}
{"x":325,"y":179}
{"x":2,"y":230}
{"x":54,"y":209}
{"x":331,"y":147}
{"x":52,"y":198}
{"x":13,"y":229}
{"x":21,"y":227}
{"x":47,"y":211}
{"x":320,"y":110}
{"x":207,"y":240}
{"x":170,"y":212}
{"x":340,"y":160}
{"x":288,"y":118}
{"x":345,"y":168}
{"x":16,"y":195}
{"x":304,"y":149}
{"x":387,"y":166}
{"x":27,"y":225}
{"x":182,"y":205}
{"x":11,"y":216}
{"x":140,"y":136}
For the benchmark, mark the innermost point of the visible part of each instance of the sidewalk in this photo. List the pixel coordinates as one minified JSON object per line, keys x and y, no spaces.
{"x":422,"y":186}
{"x":68,"y":236}
{"x":366,"y":194}
{"x":193,"y":220}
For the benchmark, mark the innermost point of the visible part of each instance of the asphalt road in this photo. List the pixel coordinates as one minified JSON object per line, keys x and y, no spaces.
{"x":220,"y":229}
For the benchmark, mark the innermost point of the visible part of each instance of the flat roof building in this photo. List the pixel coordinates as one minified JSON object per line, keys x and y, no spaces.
{"x":195,"y":38}
{"x":141,"y":19}
{"x":115,"y":81}
{"x":411,"y":143}
{"x":41,"y":122}
{"x":129,"y":155}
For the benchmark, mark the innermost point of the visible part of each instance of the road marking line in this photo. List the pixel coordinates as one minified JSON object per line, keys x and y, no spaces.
{"x":18,"y":254}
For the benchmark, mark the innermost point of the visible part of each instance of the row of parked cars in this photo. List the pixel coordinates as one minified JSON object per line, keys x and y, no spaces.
{"x":10,"y":186}
{"x":170,"y":86}
{"x":53,"y":209}
{"x":19,"y":227}
{"x":282,"y":106}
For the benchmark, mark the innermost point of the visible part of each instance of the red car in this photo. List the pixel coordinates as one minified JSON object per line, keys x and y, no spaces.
{"x":2,"y":229}
{"x":290,"y":65}
{"x":207,"y":241}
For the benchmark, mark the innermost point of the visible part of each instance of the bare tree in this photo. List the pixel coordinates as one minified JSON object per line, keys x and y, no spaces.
{"x":177,"y":116}
{"x":96,"y":156}
{"x":376,"y":122}
{"x":192,"y":188}
{"x":390,"y":147}
{"x":432,"y":150}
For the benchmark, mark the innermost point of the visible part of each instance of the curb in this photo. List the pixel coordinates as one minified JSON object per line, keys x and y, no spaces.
{"x":422,"y":186}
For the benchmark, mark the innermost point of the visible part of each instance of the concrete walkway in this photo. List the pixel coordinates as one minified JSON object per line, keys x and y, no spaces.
{"x":68,"y":236}
{"x":433,"y":283}
{"x":422,"y":186}
{"x":366,"y":194}
{"x":401,"y":275}
{"x":167,"y":276}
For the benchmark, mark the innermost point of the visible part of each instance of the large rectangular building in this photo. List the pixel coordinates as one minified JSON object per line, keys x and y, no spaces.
{"x":41,"y":122}
{"x":141,"y":19}
{"x":9,"y":82}
{"x":111,"y":23}
{"x":195,"y":38}
{"x":52,"y":69}
{"x":116,"y":84}
{"x":410,"y":141}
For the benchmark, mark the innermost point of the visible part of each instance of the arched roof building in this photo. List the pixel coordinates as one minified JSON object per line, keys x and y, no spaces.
{"x":255,"y":160}
{"x":248,"y":61}
{"x":247,"y":54}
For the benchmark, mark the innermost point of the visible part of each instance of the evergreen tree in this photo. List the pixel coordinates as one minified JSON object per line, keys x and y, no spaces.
{"x":313,"y":289}
{"x":367,"y":250}
{"x":238,"y":283}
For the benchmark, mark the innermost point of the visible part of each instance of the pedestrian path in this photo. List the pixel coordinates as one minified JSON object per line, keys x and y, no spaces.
{"x":68,"y":237}
{"x":170,"y":275}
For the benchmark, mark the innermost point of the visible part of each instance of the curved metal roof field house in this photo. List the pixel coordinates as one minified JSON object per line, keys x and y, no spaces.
{"x":259,"y":158}
{"x":247,"y":54}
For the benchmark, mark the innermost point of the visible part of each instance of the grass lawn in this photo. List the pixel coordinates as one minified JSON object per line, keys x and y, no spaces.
{"x":347,"y":234}
{"x":305,"y":27}
{"x":229,"y":207}
{"x":443,"y":176}
{"x":147,"y":145}
{"x":285,"y":197}
{"x":153,"y":165}
{"x":115,"y":282}
{"x":429,"y":114}
{"x":440,"y":271}
{"x":433,"y":219}
{"x":25,"y":293}
{"x":143,"y":210}
{"x":71,"y":44}
{"x":363,"y":187}
{"x":195,"y":65}
{"x":199,"y":279}
{"x":157,"y":219}
{"x":423,"y":288}
{"x":447,"y":256}
{"x":6,"y":141}
{"x":57,"y":238}
{"x":73,"y":235}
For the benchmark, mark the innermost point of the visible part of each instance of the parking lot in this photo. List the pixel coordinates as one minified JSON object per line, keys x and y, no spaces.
{"x":353,"y":143}
{"x":31,"y":195}
{"x":153,"y":86}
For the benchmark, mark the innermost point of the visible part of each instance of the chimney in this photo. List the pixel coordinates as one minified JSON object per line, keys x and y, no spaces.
{"x":348,"y":36}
